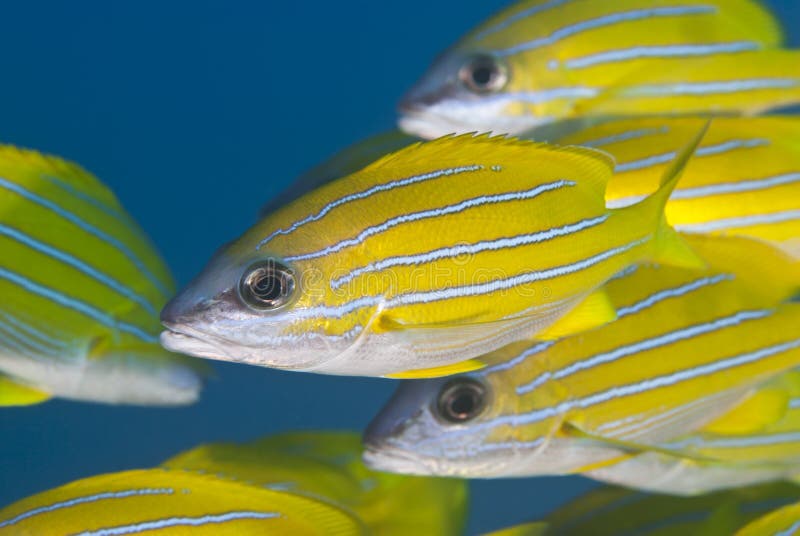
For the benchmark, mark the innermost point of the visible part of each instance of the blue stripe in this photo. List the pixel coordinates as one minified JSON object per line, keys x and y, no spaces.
{"x":79,"y":265}
{"x":736,"y":187}
{"x":713,"y":88}
{"x":511,"y":363}
{"x":368,"y":193}
{"x":96,"y":203}
{"x":470,"y":249}
{"x":664,"y":51}
{"x":790,"y":530}
{"x":607,"y":20}
{"x":76,"y":305}
{"x":708,"y":150}
{"x":46,"y":338}
{"x":433,"y":213}
{"x":94,"y":231}
{"x":624,"y":136}
{"x":524,"y":14}
{"x":672,"y":293}
{"x":180,"y":522}
{"x":741,"y":221}
{"x":83,"y":500}
{"x":736,"y":442}
{"x":27,"y":341}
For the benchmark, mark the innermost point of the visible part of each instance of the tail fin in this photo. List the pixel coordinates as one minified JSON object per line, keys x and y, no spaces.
{"x":670,"y":248}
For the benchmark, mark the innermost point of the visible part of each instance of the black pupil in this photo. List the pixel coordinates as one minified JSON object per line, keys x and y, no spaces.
{"x":463,"y":404}
{"x":482,"y":75}
{"x":267,"y":286}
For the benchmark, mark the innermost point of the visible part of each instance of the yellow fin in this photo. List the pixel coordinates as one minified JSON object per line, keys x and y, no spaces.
{"x":670,"y":248}
{"x":758,"y":411}
{"x":594,"y":311}
{"x":470,"y":365}
{"x":15,"y":394}
{"x":535,"y":528}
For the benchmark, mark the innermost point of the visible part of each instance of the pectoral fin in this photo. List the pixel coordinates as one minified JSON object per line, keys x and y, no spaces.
{"x":594,"y":311}
{"x":16,"y":394}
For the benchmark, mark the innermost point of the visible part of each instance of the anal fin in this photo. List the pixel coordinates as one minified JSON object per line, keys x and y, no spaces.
{"x":16,"y":394}
{"x":469,"y":365}
{"x":594,"y":311}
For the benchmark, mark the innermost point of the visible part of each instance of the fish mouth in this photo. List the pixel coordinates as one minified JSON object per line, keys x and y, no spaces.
{"x":389,"y":458}
{"x":181,"y":342}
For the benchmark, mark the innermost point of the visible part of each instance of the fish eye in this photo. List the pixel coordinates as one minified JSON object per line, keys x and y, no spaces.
{"x":267,"y":285}
{"x":484,"y":74}
{"x":461,"y":400}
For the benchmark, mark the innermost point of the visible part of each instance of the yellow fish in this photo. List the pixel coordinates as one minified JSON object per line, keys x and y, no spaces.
{"x":81,"y":289}
{"x":543,"y":61}
{"x":687,"y":346}
{"x":173,"y":503}
{"x":757,"y":441}
{"x":743,"y":180}
{"x":429,"y":257}
{"x":328,"y":465}
{"x":611,"y":511}
{"x":782,"y":522}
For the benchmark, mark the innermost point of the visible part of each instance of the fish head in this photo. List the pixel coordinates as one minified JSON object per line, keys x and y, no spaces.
{"x":462,"y":91}
{"x":252,"y":305}
{"x":442,"y":426}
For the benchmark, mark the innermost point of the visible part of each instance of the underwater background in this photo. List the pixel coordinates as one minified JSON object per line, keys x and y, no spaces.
{"x":195,"y":114}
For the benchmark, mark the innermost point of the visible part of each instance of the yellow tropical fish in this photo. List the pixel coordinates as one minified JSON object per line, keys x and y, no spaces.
{"x":782,"y":522}
{"x":543,"y":61}
{"x":328,"y":465}
{"x":611,"y":511}
{"x":743,"y":180}
{"x":173,"y":503}
{"x":81,"y":288}
{"x":758,"y":441}
{"x":429,"y":257}
{"x":687,"y":346}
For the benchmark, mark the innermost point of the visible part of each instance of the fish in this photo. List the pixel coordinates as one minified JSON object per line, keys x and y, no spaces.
{"x":784,"y":521}
{"x":612,"y":511}
{"x":743,"y":180}
{"x":541,"y":62}
{"x":687,"y":347}
{"x":327,"y":466}
{"x":82,"y":287}
{"x":430,"y":256}
{"x":172,"y":502}
{"x":726,"y":453}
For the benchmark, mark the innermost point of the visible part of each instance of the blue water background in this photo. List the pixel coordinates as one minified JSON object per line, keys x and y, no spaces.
{"x":195,"y":113}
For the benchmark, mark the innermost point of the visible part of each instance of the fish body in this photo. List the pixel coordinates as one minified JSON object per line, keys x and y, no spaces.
{"x":743,"y":180}
{"x":611,"y":511}
{"x":544,"y":61}
{"x":687,"y":346}
{"x":171,"y":502}
{"x":81,"y":287}
{"x":429,"y":257}
{"x":328,"y":466}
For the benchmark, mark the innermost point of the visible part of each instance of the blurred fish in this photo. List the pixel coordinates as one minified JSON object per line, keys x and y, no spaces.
{"x":726,"y":453}
{"x":429,"y":257}
{"x":171,"y":502}
{"x":328,"y":466}
{"x":744,"y":178}
{"x":543,"y":61}
{"x":81,"y":287}
{"x":782,"y":522}
{"x":611,"y":511}
{"x":687,"y":347}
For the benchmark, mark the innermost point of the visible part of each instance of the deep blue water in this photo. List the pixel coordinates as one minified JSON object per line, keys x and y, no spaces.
{"x":195,"y":113}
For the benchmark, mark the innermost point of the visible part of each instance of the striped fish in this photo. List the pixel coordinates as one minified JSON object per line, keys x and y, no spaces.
{"x":784,"y":521}
{"x":611,"y":511}
{"x":687,"y":346}
{"x":81,"y":287}
{"x":543,"y":61}
{"x":744,"y":179}
{"x":729,"y":452}
{"x":431,"y":256}
{"x":172,"y":502}
{"x":328,"y":465}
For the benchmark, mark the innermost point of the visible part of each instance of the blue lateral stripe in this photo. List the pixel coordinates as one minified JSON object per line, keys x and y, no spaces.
{"x":83,"y":500}
{"x":79,"y":265}
{"x":85,"y":226}
{"x":76,"y":305}
{"x":180,"y":522}
{"x":32,"y":331}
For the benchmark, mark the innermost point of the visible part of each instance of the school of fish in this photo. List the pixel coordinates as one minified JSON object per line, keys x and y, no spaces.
{"x":579,"y":254}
